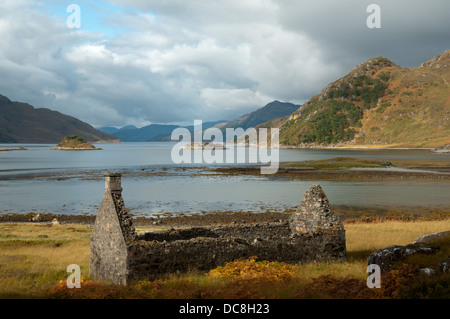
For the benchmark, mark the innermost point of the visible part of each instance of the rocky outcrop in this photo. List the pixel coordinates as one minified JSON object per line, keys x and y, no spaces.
{"x":431,"y":237}
{"x":442,"y":149}
{"x":389,"y":256}
{"x":444,"y":265}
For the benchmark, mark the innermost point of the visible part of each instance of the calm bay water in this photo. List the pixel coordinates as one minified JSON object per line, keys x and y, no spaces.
{"x":64,"y":182}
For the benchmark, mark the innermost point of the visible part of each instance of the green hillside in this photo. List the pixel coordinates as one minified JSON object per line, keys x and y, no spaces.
{"x":270,"y":111}
{"x":379,"y":104}
{"x":22,"y":123}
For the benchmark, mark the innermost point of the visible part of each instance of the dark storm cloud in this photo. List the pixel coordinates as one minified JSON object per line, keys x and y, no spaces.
{"x":411,"y":31}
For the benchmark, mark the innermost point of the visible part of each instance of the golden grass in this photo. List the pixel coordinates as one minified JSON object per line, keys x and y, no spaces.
{"x":373,"y":236}
{"x":34,"y":258}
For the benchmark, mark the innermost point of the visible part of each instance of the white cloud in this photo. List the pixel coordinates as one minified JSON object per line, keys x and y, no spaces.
{"x":175,"y":61}
{"x":225,"y":100}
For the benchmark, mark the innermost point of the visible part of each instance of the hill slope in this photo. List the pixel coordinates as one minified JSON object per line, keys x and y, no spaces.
{"x":22,"y":123}
{"x":270,"y":111}
{"x":377,"y":103}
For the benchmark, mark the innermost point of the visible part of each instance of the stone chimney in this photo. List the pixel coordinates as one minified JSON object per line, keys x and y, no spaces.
{"x":114,"y":187}
{"x":113,"y":183}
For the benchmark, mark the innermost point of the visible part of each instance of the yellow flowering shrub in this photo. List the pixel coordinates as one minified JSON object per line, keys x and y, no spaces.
{"x":250,"y":268}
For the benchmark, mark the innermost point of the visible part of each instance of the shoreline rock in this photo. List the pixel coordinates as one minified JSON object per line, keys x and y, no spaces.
{"x":108,"y":141}
{"x":441,"y":150}
{"x":202,"y":146}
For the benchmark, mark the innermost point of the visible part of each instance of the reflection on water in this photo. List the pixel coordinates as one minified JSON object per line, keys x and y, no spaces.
{"x":72,"y":182}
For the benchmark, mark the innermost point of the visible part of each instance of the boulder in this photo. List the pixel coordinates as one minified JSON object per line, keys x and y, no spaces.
{"x":444,"y":265}
{"x":431,"y":237}
{"x":427,"y":271}
{"x":387,"y":257}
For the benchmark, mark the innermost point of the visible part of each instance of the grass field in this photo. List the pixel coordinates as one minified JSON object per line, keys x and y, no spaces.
{"x":34,"y":258}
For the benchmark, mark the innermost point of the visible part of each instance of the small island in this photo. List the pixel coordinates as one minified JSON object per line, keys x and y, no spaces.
{"x":74,"y":143}
{"x":108,"y":141}
{"x":13,"y":149}
{"x":202,"y":146}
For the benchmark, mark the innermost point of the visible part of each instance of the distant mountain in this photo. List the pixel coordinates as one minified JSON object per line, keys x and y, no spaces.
{"x":129,"y":127}
{"x":144,"y":134}
{"x":269,"y":112}
{"x":377,"y":103}
{"x":22,"y":123}
{"x":152,"y":132}
{"x":112,"y":129}
{"x":108,"y":129}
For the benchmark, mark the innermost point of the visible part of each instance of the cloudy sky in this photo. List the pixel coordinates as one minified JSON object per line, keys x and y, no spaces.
{"x":173,"y":61}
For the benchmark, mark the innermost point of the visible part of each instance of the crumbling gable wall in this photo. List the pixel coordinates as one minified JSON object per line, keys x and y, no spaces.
{"x":118,"y":255}
{"x":111,"y":234}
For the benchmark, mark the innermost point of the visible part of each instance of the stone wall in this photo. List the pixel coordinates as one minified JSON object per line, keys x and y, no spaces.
{"x":118,"y":255}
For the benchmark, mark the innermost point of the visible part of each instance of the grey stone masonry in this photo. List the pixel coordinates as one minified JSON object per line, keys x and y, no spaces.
{"x":112,"y":233}
{"x":315,"y":213}
{"x":120,"y":256}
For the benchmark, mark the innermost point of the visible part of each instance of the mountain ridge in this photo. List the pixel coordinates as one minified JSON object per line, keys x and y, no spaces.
{"x":377,"y":104}
{"x":270,"y":111}
{"x":22,"y":123}
{"x":152,"y":132}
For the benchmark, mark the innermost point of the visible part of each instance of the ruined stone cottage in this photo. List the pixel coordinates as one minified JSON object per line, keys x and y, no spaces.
{"x":120,"y":256}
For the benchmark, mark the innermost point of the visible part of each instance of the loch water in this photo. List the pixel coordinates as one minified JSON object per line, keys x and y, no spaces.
{"x":42,"y":180}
